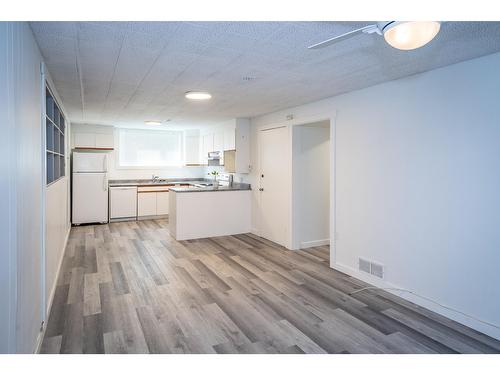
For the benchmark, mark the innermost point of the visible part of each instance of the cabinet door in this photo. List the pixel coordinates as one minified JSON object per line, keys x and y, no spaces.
{"x":219,"y":141}
{"x":229,"y":140}
{"x":85,"y":140}
{"x":123,"y":202}
{"x":192,"y":149}
{"x":104,"y":141}
{"x":208,"y":146}
{"x":162,"y":203}
{"x":242,"y":162}
{"x":146,"y":204}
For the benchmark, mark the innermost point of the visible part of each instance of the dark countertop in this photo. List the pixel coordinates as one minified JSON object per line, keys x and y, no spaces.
{"x":163,"y":181}
{"x":192,"y":189}
{"x":178,"y":181}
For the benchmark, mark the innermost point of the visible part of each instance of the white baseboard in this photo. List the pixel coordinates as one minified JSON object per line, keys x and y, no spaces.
{"x":51,"y":296}
{"x":462,"y":319}
{"x":307,"y":244}
{"x":255,"y":231}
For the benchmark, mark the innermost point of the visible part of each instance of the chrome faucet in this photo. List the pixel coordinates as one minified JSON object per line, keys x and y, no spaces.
{"x":155,"y":178}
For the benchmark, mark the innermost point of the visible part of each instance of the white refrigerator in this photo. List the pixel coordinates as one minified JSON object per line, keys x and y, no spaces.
{"x":90,"y":188}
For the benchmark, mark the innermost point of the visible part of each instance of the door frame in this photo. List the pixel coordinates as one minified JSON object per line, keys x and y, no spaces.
{"x":331,"y":116}
{"x":43,"y":260}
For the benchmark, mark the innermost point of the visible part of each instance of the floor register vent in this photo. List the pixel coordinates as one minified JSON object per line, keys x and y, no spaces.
{"x":375,"y":269}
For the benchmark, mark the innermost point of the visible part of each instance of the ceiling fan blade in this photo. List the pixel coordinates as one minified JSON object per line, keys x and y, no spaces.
{"x":367,"y":30}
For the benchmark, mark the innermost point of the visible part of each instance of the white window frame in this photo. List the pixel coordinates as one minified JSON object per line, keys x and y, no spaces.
{"x":117,"y":145}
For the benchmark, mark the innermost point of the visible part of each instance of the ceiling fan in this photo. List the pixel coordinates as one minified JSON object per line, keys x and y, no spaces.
{"x":404,"y":35}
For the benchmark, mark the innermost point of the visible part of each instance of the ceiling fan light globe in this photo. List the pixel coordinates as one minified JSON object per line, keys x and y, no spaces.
{"x":410,"y":35}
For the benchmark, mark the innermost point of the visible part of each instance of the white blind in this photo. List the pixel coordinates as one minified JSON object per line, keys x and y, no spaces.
{"x":150,"y":148}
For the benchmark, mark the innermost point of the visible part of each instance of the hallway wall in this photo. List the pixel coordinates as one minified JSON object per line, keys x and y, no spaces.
{"x":22,"y":230}
{"x":416,"y":163}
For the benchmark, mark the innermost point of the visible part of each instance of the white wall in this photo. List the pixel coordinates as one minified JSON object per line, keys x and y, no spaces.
{"x":57,"y":227}
{"x":417,"y":184}
{"x":22,"y":291}
{"x":311,"y":185}
{"x":8,"y":199}
{"x":116,"y":172}
{"x":27,"y":91}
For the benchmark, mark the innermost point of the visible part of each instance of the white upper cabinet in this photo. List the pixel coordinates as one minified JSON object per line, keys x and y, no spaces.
{"x":207,"y":146}
{"x":192,"y":149}
{"x":237,"y":139}
{"x":229,"y":139}
{"x":93,"y":136}
{"x":84,"y":140}
{"x":104,"y":141}
{"x":219,"y":141}
{"x":242,"y":146}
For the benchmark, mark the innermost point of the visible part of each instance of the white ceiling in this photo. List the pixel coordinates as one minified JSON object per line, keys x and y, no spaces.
{"x":123,"y":73}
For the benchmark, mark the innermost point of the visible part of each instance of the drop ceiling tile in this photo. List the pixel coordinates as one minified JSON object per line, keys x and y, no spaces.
{"x":96,"y":32}
{"x":144,"y":68}
{"x":54,"y":29}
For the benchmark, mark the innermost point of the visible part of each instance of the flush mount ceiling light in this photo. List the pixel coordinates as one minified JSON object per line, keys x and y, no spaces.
{"x":152,"y":122}
{"x":198,"y":95}
{"x":406,"y":35}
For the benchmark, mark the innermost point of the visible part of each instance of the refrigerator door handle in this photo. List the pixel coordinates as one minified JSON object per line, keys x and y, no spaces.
{"x":105,"y":163}
{"x":104,"y":183}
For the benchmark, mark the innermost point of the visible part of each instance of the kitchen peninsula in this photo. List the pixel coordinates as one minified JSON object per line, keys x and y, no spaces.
{"x":199,"y":212}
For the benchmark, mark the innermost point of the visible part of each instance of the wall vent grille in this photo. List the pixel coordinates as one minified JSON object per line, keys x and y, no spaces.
{"x":364,"y":265}
{"x":373,"y":268}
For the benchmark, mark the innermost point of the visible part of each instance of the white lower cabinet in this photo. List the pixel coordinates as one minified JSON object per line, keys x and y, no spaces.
{"x":122,"y":202}
{"x":162,"y":203}
{"x":151,"y":202}
{"x":146,"y":204}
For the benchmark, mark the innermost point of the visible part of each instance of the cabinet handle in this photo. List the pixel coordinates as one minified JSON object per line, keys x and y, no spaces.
{"x":261,"y":189}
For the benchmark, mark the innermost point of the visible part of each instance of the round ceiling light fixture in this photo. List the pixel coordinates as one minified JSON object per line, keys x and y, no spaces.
{"x":198,"y":95}
{"x":152,"y":122}
{"x":410,"y":35}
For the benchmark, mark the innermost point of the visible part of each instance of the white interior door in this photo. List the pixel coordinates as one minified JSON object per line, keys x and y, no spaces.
{"x":274,"y":167}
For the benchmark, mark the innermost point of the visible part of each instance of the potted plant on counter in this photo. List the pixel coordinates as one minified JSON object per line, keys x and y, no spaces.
{"x":215,"y":174}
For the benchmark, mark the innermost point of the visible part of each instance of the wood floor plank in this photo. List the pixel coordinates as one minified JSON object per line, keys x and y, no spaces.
{"x":153,"y":333}
{"x":129,"y":287}
{"x":51,"y":345}
{"x":114,"y":343}
{"x":447,"y":340}
{"x":93,"y":339}
{"x":91,"y":298}
{"x":119,"y":280}
{"x":55,"y":325}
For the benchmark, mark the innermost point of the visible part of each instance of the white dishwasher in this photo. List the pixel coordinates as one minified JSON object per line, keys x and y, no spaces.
{"x":122,"y":203}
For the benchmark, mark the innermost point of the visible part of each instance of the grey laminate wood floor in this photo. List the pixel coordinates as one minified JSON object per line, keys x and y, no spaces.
{"x":131,"y":288}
